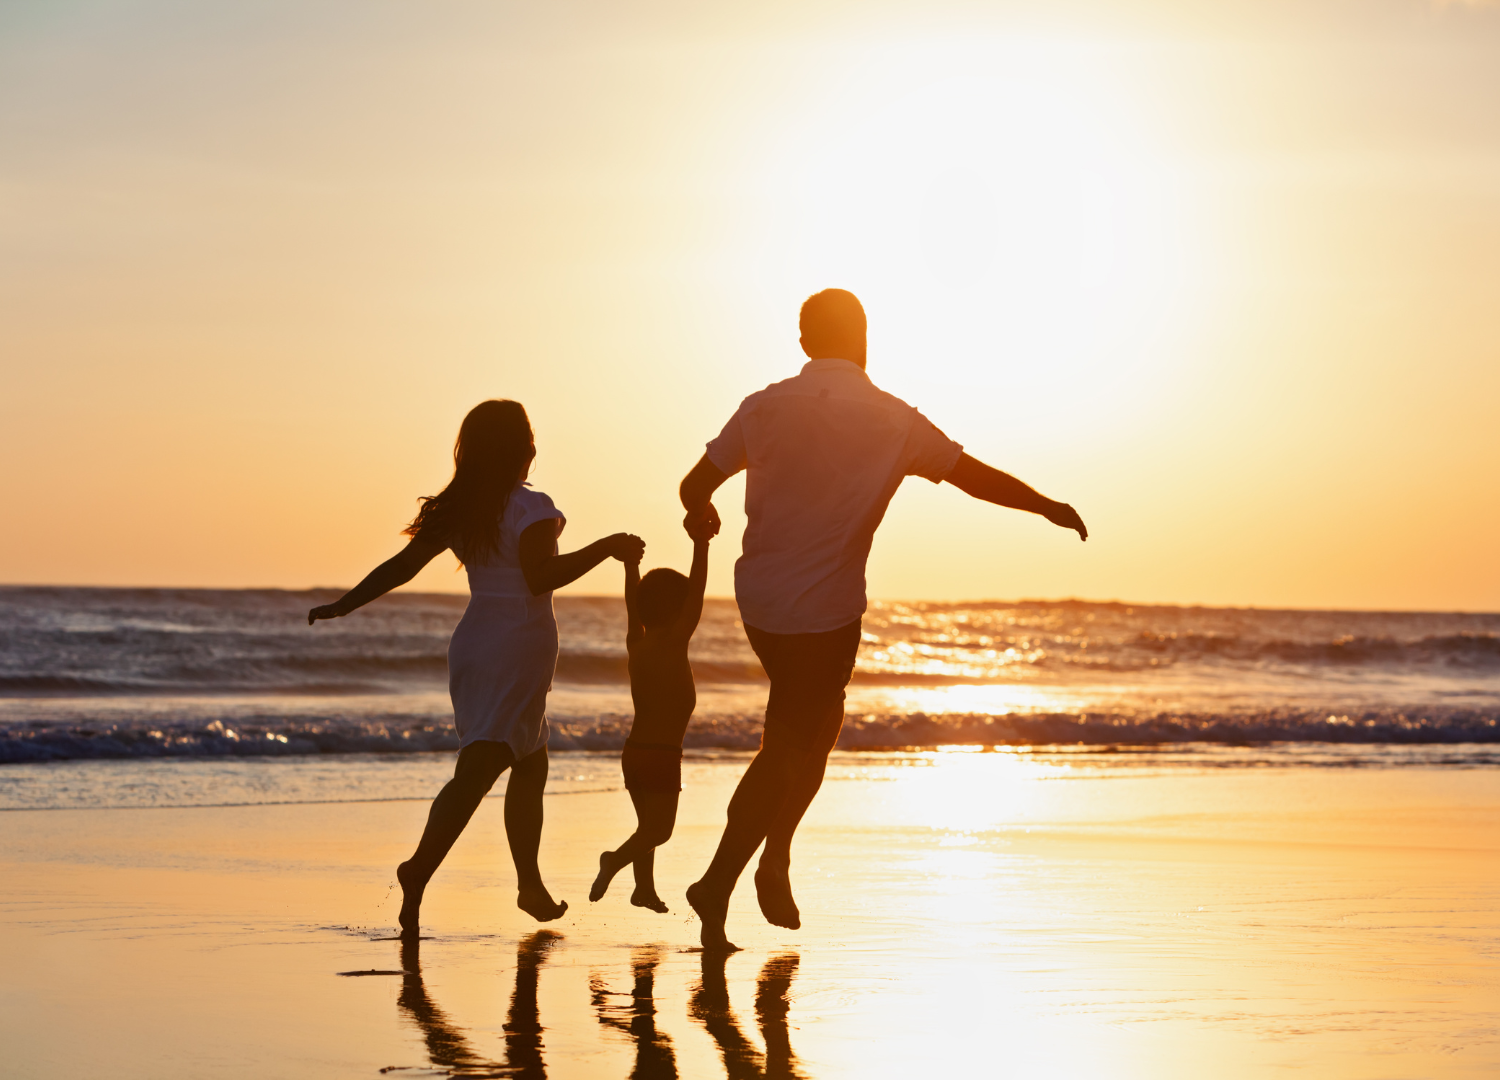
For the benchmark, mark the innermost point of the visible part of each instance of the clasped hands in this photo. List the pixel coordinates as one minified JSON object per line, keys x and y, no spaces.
{"x":702,"y":525}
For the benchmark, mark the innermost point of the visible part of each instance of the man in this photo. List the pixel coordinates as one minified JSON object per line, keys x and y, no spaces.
{"x":825,"y":451}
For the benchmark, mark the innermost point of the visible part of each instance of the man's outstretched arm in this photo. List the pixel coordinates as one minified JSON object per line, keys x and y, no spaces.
{"x":975,"y":478}
{"x":696,"y":489}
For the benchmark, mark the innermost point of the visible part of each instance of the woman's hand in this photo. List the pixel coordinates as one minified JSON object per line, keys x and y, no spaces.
{"x":626,"y":547}
{"x":327,"y":611}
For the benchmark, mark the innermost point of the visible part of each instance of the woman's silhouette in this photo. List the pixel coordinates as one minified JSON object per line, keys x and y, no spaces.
{"x":446,"y":1046}
{"x":503,"y":651}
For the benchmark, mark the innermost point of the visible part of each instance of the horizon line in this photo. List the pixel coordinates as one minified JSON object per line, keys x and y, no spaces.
{"x":972,"y":601}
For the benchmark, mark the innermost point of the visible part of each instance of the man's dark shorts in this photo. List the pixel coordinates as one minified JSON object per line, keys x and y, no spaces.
{"x":808,"y":675}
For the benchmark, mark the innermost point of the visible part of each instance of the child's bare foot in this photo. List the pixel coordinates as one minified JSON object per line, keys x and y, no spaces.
{"x":713,"y":910}
{"x":773,"y":888}
{"x":412,"y":889}
{"x":537,"y":902}
{"x":647,"y":898}
{"x":610,"y":864}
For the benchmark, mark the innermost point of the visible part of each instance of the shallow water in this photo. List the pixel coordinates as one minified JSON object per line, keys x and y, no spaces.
{"x":308,"y":779}
{"x":968,"y":914}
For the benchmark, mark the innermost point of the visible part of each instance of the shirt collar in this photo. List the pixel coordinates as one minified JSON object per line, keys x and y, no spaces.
{"x":830,"y":363}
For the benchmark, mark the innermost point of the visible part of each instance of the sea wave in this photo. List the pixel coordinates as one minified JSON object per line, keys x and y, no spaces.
{"x":921,"y":665}
{"x":265,"y":737}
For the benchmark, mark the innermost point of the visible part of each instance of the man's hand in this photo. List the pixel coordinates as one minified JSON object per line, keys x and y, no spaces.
{"x":626,"y":547}
{"x":704,"y":523}
{"x":327,"y":611}
{"x":1064,"y":515}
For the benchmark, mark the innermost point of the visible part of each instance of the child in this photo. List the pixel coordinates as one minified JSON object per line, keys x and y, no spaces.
{"x":662,"y":610}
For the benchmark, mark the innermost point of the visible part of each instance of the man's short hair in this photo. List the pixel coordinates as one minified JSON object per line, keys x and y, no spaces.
{"x":660,"y":597}
{"x":833,"y":318}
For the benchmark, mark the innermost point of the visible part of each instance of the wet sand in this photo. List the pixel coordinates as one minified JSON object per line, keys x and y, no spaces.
{"x":975,"y":917}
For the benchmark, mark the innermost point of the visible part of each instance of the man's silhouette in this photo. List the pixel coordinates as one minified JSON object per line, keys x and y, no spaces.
{"x":824,"y":452}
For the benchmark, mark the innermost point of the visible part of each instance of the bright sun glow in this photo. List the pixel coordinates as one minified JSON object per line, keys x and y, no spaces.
{"x":1019,"y":223}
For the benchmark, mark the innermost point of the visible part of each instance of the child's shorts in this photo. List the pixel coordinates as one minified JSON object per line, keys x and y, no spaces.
{"x":652,"y":767}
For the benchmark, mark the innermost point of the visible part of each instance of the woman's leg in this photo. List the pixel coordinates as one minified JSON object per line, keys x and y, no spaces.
{"x":523,"y":828}
{"x":479,"y":766}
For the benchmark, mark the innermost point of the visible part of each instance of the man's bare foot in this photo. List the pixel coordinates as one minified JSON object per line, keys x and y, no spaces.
{"x":647,"y":898}
{"x":609,"y":866}
{"x":774,"y":891}
{"x":537,"y":902}
{"x":712,"y":910}
{"x":412,"y":889}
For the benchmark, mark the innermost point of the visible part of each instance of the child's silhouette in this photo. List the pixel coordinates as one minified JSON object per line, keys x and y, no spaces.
{"x":662,"y":610}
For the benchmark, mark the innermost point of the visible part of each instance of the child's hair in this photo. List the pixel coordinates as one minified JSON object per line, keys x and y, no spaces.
{"x":661,"y":596}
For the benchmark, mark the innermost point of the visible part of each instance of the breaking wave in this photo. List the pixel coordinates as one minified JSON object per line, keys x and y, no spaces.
{"x":265,"y":737}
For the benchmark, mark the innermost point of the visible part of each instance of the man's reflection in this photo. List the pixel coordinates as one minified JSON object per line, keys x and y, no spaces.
{"x":710,"y":1007}
{"x":446,"y":1045}
{"x":654,"y":1059}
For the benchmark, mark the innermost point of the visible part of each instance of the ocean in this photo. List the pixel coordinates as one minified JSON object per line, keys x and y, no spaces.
{"x":152,"y":680}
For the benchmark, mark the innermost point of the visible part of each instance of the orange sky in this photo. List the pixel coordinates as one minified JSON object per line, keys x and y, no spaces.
{"x":1224,"y":281}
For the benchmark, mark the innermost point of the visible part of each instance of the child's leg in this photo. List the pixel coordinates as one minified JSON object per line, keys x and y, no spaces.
{"x":523,"y":828}
{"x":655,"y":814}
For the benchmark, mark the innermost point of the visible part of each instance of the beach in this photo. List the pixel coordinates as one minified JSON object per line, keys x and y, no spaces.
{"x":992,"y":913}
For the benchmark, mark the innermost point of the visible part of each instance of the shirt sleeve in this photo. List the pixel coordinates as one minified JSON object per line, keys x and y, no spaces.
{"x":537,"y":507}
{"x":929,"y":453}
{"x":727,"y":451}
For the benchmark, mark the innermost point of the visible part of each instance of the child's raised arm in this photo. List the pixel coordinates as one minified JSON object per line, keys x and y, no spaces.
{"x":633,"y":627}
{"x":692,"y":606}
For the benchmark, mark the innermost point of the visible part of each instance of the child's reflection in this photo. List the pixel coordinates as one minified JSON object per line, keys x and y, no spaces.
{"x":654,"y":1059}
{"x":710,"y":1007}
{"x":446,"y":1045}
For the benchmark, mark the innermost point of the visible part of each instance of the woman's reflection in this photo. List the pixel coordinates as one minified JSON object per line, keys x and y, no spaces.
{"x":449,"y":1049}
{"x":654,"y":1059}
{"x":710,"y":1007}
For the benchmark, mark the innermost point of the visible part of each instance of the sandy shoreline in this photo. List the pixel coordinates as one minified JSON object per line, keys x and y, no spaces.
{"x":967,"y":919}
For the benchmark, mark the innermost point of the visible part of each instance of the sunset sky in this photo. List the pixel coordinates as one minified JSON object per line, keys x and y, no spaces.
{"x":1224,"y":276}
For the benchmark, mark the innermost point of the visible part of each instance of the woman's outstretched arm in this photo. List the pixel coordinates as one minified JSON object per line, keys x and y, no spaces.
{"x":394,"y":572}
{"x":545,"y":571}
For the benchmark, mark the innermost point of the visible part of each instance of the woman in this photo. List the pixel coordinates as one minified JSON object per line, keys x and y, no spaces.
{"x":504,"y":649}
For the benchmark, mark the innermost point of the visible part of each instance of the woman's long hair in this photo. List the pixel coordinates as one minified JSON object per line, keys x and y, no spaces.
{"x":494,"y":448}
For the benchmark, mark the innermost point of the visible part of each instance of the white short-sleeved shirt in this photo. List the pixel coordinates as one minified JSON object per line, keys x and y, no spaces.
{"x":825,"y":451}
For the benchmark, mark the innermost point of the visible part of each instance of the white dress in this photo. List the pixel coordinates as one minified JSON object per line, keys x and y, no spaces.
{"x":504,"y":649}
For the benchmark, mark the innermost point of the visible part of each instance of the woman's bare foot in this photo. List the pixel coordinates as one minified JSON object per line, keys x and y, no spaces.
{"x":537,"y":902}
{"x":712,"y":910}
{"x":647,"y":898}
{"x":610,"y":864}
{"x":773,"y":888}
{"x":412,"y":888}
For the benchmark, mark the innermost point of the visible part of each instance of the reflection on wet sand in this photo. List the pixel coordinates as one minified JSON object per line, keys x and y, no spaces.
{"x":710,"y":1007}
{"x":447,"y":1047}
{"x":654,"y":1058}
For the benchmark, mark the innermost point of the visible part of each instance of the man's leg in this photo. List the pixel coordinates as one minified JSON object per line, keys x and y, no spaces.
{"x":808,"y":674}
{"x":773,"y":886}
{"x":833,"y":657}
